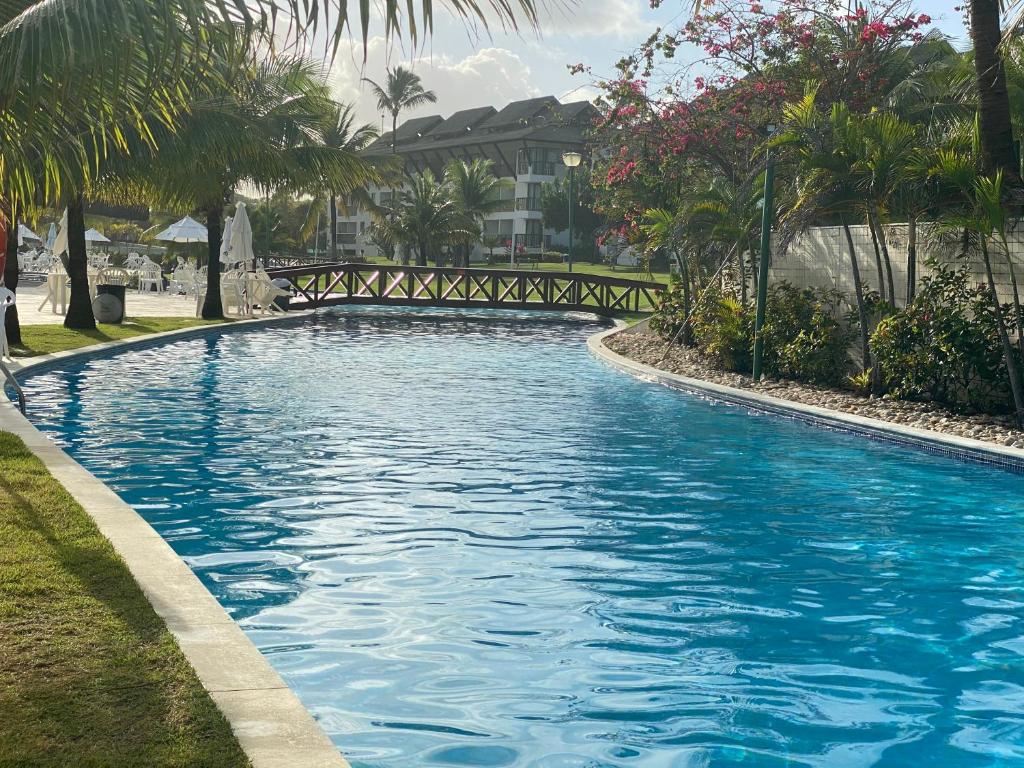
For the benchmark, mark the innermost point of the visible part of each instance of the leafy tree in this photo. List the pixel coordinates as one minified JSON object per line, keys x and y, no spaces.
{"x":554,"y":205}
{"x":402,"y":90}
{"x":473,"y":188}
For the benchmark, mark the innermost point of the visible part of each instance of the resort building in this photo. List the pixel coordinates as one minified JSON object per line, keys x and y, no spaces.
{"x":525,"y":141}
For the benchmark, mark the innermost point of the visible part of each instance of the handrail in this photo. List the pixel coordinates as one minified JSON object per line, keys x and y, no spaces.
{"x":9,"y":375}
{"x":476,"y":271}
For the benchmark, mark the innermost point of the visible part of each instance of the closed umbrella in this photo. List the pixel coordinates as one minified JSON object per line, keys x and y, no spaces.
{"x":188,"y":230}
{"x":51,"y":237}
{"x":225,"y":243}
{"x":241,"y":237}
{"x":60,"y":243}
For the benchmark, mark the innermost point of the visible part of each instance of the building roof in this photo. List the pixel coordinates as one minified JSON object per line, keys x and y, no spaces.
{"x":463,"y":122}
{"x":519,"y":113}
{"x":410,"y":130}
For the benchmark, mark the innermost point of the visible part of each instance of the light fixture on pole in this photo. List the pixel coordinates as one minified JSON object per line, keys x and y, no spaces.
{"x":767,"y":214}
{"x":571,"y":160}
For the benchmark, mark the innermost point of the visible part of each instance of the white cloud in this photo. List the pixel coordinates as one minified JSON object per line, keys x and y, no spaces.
{"x":595,"y":18}
{"x":490,"y":76}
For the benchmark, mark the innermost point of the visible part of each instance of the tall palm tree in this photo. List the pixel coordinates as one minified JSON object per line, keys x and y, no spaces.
{"x":998,"y":151}
{"x":266,"y":130}
{"x":343,"y":133}
{"x":402,"y":90}
{"x":473,"y":187}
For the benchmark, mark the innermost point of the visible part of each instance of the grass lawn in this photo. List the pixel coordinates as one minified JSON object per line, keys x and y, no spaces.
{"x":89,"y":674}
{"x":46,"y":339}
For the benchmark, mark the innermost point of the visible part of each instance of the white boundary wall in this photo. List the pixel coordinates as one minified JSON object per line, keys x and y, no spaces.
{"x":820,"y":258}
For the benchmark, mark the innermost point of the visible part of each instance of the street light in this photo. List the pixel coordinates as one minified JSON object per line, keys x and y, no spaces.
{"x":571,"y":160}
{"x":767,"y":213}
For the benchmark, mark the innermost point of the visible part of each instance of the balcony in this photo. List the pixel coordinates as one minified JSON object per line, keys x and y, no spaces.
{"x":524,"y":168}
{"x":528,"y":204}
{"x":503,"y":206}
{"x":535,"y":241}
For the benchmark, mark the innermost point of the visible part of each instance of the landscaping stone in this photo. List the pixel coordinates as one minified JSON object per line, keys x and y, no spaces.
{"x":653,"y":351}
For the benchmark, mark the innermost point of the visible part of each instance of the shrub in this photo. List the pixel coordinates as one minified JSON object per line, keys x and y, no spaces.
{"x":668,"y":314}
{"x":944,"y":347}
{"x":805,"y":335}
{"x":724,"y":331}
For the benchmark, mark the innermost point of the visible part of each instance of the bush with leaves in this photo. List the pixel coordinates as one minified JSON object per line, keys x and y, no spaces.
{"x":669,"y":310}
{"x":944,"y":347}
{"x":724,"y":331}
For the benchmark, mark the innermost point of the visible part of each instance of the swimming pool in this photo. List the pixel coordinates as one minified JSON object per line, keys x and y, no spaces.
{"x":465,"y":542}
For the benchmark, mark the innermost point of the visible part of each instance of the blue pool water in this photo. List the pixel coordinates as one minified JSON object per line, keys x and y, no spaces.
{"x":464,"y":542}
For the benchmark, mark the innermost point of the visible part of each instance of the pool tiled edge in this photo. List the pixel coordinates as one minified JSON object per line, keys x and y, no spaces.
{"x":272,"y":726}
{"x":960,"y":448}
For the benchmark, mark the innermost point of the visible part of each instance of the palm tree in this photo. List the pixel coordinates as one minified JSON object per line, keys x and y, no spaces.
{"x":265,"y":130}
{"x":998,"y":152}
{"x":402,"y":90}
{"x":473,"y":187}
{"x":426,"y":219}
{"x":343,"y":133}
{"x":823,"y":148}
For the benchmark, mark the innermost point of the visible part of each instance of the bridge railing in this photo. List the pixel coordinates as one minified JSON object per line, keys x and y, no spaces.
{"x":321,"y":285}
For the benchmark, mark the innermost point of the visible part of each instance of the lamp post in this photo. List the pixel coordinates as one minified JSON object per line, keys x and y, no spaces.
{"x":767,"y":213}
{"x":571,"y":160}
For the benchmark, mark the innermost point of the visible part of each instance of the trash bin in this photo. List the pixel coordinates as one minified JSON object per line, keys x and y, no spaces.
{"x":108,"y":306}
{"x":282,"y":301}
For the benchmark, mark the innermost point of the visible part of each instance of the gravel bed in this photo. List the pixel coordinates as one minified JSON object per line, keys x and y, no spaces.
{"x":649,"y":350}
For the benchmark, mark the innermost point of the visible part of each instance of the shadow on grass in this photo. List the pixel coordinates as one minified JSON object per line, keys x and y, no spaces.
{"x":89,"y":675}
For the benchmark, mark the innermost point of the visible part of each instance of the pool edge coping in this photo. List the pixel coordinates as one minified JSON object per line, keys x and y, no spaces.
{"x":952,"y":446}
{"x":272,"y":726}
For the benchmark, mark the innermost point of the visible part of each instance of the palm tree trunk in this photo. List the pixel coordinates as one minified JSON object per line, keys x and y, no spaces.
{"x":421,"y":255}
{"x":334,"y":227}
{"x":911,"y":258}
{"x":878,"y":256}
{"x":858,"y":290}
{"x":1017,"y":319}
{"x":213,"y":308}
{"x":884,"y":245}
{"x":998,"y":151}
{"x":684,"y":272}
{"x":12,"y":325}
{"x":1004,"y":338}
{"x":79,"y":316}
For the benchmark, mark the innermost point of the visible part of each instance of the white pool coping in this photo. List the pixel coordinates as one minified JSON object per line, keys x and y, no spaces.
{"x":272,"y":726}
{"x":953,"y":446}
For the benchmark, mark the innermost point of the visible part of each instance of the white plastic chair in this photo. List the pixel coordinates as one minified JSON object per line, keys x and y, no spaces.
{"x":264,"y":292}
{"x":56,"y":288}
{"x":232,"y":292}
{"x":151,"y":276}
{"x":133,"y":261}
{"x":183,"y":279}
{"x":7,"y":299}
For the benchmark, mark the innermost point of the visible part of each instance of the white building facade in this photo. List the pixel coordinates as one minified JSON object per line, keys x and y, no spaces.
{"x":524,"y":141}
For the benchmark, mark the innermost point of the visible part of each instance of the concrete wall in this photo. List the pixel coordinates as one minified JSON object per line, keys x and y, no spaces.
{"x":820,"y":258}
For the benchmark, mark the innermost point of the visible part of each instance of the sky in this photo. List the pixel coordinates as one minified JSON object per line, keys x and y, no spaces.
{"x":471,"y":69}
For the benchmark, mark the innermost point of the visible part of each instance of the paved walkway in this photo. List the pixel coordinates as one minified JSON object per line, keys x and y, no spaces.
{"x":137,"y":305}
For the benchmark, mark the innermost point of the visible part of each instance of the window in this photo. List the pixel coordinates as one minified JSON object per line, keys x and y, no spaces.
{"x":537,"y":160}
{"x":346,"y":231}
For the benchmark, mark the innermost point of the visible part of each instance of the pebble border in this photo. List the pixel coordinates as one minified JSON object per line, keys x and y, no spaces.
{"x":952,"y":446}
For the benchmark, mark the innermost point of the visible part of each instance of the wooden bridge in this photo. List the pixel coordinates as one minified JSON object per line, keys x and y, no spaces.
{"x":324,"y":285}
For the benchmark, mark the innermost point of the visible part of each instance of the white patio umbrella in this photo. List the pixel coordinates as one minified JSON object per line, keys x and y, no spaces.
{"x":225,"y":243}
{"x":60,"y":243}
{"x":241,"y":238}
{"x":95,"y":236}
{"x":188,"y":230}
{"x":51,"y":237}
{"x":24,"y":233}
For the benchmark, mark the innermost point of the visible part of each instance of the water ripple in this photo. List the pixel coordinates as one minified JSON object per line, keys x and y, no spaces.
{"x":466,"y":543}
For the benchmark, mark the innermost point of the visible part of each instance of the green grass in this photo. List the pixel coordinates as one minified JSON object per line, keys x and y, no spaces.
{"x":46,"y":339}
{"x":89,"y":674}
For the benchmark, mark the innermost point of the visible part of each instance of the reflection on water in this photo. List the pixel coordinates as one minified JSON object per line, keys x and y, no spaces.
{"x":466,"y":543}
